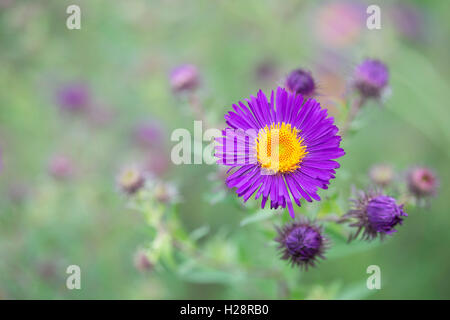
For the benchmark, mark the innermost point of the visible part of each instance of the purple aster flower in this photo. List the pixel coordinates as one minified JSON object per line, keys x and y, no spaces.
{"x":371,"y":77}
{"x":301,"y":82}
{"x":301,"y":243}
{"x":73,"y":97}
{"x":381,"y":174}
{"x":61,"y":167}
{"x":280,"y":149}
{"x":184,"y":78}
{"x":422,"y":182}
{"x":376,"y":214}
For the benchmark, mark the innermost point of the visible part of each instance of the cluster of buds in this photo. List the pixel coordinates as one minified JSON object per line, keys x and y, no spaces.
{"x":374,"y":214}
{"x":131,"y":179}
{"x":422,"y":182}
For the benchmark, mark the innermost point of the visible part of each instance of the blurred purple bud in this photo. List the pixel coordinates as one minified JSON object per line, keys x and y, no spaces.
{"x":61,"y":167}
{"x":149,"y":135}
{"x":184,"y":78}
{"x":301,"y":82}
{"x":340,"y":23}
{"x":371,"y":77}
{"x":422,"y":182}
{"x":408,"y":20}
{"x":73,"y":97}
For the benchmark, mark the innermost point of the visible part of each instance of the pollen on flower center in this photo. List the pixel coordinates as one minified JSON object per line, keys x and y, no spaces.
{"x":280,"y":148}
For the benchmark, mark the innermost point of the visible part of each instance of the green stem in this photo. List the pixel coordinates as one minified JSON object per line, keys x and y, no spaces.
{"x":354,"y":109}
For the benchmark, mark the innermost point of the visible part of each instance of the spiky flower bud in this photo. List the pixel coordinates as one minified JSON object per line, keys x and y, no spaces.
{"x":301,"y":243}
{"x":376,"y":214}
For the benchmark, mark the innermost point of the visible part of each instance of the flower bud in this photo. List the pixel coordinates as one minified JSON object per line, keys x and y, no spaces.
{"x":301,"y":82}
{"x":149,"y":135}
{"x":301,"y":243}
{"x":130,"y":180}
{"x":381,"y":174}
{"x":73,"y":97}
{"x":422,"y":182}
{"x":376,"y":214}
{"x":371,"y":78}
{"x":184,"y":78}
{"x":166,"y":192}
{"x":61,"y":167}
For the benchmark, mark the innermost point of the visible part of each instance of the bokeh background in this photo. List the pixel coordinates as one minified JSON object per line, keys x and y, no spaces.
{"x":60,"y":203}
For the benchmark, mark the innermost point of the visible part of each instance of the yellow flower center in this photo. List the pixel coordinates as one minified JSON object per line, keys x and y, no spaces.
{"x":280,"y":149}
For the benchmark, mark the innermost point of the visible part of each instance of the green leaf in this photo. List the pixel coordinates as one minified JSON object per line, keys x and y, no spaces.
{"x":199,"y":233}
{"x":259,"y":216}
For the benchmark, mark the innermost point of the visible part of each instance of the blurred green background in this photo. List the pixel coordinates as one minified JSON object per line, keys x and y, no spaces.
{"x":124,"y":53}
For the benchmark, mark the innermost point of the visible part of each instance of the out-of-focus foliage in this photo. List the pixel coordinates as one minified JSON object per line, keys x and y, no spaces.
{"x":206,"y":244}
